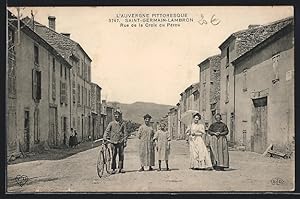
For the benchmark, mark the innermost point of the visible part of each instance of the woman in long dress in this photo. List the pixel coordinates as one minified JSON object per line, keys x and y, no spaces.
{"x":146,"y":146}
{"x":218,"y":144}
{"x":199,"y":156}
{"x":162,"y":139}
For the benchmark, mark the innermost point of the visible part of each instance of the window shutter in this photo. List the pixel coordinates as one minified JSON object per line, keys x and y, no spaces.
{"x":34,"y":85}
{"x":73,"y":92}
{"x":66,"y":93}
{"x":61,"y":93}
{"x":53,"y":85}
{"x":39,"y":84}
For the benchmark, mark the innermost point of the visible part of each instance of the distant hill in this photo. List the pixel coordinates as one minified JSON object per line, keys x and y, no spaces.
{"x":136,"y":111}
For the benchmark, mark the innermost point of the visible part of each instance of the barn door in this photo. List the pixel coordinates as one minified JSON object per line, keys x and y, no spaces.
{"x":260,"y":125}
{"x":53,"y":134}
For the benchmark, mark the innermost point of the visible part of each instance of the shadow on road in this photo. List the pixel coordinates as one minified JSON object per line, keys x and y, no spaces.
{"x":56,"y":153}
{"x":163,"y":170}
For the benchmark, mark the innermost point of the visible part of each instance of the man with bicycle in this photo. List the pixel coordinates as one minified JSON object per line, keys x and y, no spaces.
{"x":117,"y":133}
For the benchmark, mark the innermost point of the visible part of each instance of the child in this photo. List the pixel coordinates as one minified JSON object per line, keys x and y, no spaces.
{"x":162,"y":140}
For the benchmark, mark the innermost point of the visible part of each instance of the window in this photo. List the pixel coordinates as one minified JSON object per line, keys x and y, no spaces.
{"x":53,"y":80}
{"x":86,"y":96}
{"x":78,"y":68}
{"x":275,"y":60}
{"x":82,"y":69}
{"x":227,"y":89}
{"x":89,"y":99}
{"x":82,"y":95}
{"x":53,"y":64}
{"x":78,"y":98}
{"x":74,"y":91}
{"x":61,"y":70}
{"x":63,"y":93}
{"x":227,"y":56}
{"x":245,"y":80}
{"x":36,"y":85}
{"x":36,"y":54}
{"x":65,"y":73}
{"x":196,"y":95}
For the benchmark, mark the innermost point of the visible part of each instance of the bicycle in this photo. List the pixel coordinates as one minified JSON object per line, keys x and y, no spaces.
{"x":104,"y":157}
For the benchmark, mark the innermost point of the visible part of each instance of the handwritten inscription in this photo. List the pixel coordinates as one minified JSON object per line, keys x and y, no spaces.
{"x":212,"y":20}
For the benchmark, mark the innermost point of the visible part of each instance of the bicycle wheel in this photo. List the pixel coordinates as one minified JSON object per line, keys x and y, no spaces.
{"x":108,"y":160}
{"x":100,"y":163}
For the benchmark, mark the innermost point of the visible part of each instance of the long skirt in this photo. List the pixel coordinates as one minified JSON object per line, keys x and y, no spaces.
{"x":199,"y":156}
{"x":146,"y":153}
{"x":219,"y":151}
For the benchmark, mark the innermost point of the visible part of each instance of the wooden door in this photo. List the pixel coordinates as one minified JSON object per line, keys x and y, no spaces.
{"x":53,"y":133}
{"x":260,"y":125}
{"x":26,"y":131}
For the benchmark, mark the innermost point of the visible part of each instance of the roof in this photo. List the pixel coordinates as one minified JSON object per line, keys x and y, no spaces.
{"x":95,"y":84}
{"x":249,"y":38}
{"x":63,"y":44}
{"x":191,"y":86}
{"x":273,"y":37}
{"x":211,"y":58}
{"x":26,"y":28}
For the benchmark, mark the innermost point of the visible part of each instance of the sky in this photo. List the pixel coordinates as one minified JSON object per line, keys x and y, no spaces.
{"x":151,"y":64}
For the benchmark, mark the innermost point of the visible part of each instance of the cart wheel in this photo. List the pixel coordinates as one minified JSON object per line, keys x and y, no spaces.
{"x":100,"y":164}
{"x":108,"y":160}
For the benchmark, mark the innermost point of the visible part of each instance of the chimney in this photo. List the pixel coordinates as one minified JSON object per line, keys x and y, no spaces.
{"x":67,"y":34}
{"x":251,"y":26}
{"x":51,"y":20}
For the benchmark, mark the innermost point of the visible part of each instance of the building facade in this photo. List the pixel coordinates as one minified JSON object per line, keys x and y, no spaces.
{"x":210,"y":88}
{"x":264,"y":93}
{"x":233,"y":47}
{"x":35,"y":85}
{"x":80,"y":78}
{"x":97,"y":131}
{"x":173,"y":123}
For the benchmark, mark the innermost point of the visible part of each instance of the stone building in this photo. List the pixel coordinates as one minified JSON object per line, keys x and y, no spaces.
{"x":173,"y":122}
{"x":178,"y":109}
{"x":80,"y":78}
{"x":38,"y":78}
{"x":209,"y":77}
{"x":97,"y":131}
{"x":264,"y":90}
{"x":233,"y":47}
{"x":189,"y":100}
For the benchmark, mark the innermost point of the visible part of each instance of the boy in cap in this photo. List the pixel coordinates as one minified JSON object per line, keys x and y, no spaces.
{"x":116,"y":131}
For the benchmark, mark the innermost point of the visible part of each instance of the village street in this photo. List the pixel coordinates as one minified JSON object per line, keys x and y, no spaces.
{"x":249,"y":171}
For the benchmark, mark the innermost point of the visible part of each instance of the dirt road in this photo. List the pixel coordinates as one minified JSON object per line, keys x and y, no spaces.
{"x":248,"y":172}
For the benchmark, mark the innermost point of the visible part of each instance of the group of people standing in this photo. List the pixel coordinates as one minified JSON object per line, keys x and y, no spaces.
{"x":208,"y":150}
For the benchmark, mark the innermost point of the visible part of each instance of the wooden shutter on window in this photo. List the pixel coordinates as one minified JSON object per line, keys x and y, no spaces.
{"x":34,"y":84}
{"x":39,"y":85}
{"x":61,"y":93}
{"x":66,"y":92}
{"x":53,"y":85}
{"x":74,"y":91}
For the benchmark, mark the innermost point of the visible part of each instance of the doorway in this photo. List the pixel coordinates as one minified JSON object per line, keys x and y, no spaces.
{"x":260,"y":125}
{"x":53,"y":133}
{"x":26,"y":132}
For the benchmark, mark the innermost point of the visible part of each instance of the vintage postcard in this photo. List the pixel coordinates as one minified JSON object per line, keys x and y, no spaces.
{"x":150,"y":99}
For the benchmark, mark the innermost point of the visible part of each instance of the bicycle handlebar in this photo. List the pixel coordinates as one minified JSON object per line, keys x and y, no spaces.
{"x":99,"y":140}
